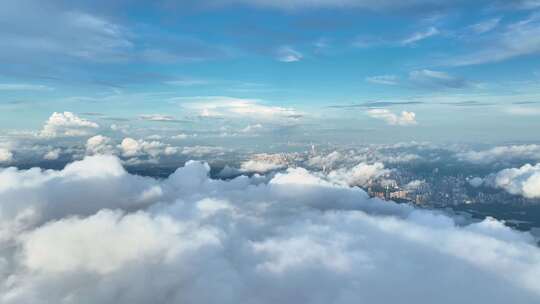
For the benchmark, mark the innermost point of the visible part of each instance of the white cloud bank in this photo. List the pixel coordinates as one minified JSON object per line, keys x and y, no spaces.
{"x":92,"y":233}
{"x":67,"y":124}
{"x":230,"y":107}
{"x":516,"y":39}
{"x":524,"y":181}
{"x":405,"y":119}
{"x":501,"y":154}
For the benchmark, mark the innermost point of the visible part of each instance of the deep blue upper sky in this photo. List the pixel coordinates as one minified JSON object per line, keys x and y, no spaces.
{"x":423,"y":69}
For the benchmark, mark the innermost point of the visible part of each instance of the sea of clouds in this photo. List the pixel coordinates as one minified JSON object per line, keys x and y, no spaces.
{"x":93,"y":233}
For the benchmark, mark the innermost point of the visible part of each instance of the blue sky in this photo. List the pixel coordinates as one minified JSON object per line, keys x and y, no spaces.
{"x":402,"y":70}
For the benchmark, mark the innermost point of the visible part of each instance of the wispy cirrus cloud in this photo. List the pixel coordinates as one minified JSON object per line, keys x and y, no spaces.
{"x":437,"y":79}
{"x":160,"y":118}
{"x":288,"y":54}
{"x":485,"y":26}
{"x":516,"y":39}
{"x":67,"y":124}
{"x":24,"y":87}
{"x":377,"y":104}
{"x":419,"y":36}
{"x":383,"y":79}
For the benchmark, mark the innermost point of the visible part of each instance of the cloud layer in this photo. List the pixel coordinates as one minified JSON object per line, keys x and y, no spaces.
{"x":92,"y":233}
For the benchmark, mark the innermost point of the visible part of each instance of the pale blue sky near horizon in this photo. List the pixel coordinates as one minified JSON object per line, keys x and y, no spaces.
{"x":466,"y":71}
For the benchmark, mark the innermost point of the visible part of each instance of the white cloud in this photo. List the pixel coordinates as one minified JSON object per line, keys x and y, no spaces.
{"x":517,"y":39}
{"x":405,"y":119}
{"x":180,"y":136}
{"x":297,"y":236}
{"x":501,"y":153}
{"x":230,"y":107}
{"x":6,"y":156}
{"x":288,"y":54}
{"x":363,"y":4}
{"x":200,"y":151}
{"x":415,"y":184}
{"x":526,"y":4}
{"x":485,"y":26}
{"x":157,"y":117}
{"x":252,"y":128}
{"x":522,"y":111}
{"x":327,"y":161}
{"x":50,"y":30}
{"x":67,"y":124}
{"x":294,"y":237}
{"x":437,"y":79}
{"x":186,"y":82}
{"x":99,"y":144}
{"x":131,"y":147}
{"x":359,"y":175}
{"x":262,"y":163}
{"x":259,"y":166}
{"x":523,"y":181}
{"x":419,"y":36}
{"x":52,"y":154}
{"x":383,"y":79}
{"x":23,"y":87}
{"x":476,"y":182}
{"x":63,"y":246}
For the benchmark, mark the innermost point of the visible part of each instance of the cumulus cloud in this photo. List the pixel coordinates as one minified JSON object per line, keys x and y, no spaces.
{"x":501,"y":154}
{"x":6,"y":156}
{"x":52,"y":154}
{"x":405,"y":119}
{"x":523,"y":181}
{"x":295,"y":237}
{"x":359,"y":175}
{"x":326,"y":161}
{"x":258,"y":163}
{"x":67,"y":124}
{"x":131,"y":147}
{"x":262,"y":163}
{"x":99,"y":144}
